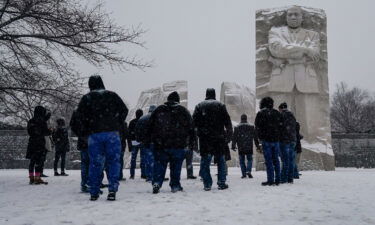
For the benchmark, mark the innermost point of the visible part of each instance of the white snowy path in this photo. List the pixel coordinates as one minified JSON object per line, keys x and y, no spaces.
{"x":346,"y":196}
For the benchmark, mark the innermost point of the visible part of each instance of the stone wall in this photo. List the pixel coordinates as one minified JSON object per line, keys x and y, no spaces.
{"x":354,"y":150}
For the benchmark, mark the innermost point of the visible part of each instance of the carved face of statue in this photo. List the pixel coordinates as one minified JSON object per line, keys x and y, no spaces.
{"x":294,"y":17}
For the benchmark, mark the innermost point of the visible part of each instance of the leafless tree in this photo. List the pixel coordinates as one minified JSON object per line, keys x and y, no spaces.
{"x":41,"y":39}
{"x":352,"y":110}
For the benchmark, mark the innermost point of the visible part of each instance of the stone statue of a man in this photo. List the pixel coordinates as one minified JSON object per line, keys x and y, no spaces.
{"x":294,"y":52}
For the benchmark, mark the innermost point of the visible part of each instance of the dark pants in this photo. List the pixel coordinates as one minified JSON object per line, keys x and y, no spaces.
{"x":149,"y":161}
{"x":189,"y":163}
{"x":44,"y":158}
{"x":104,"y":151}
{"x":271,"y":156}
{"x":85,"y":164}
{"x":36,"y":164}
{"x":133,"y":161}
{"x":246,"y":167}
{"x":287,"y":159}
{"x":175,"y":158}
{"x":205,"y":170}
{"x":58,"y":155}
{"x":122,"y":165}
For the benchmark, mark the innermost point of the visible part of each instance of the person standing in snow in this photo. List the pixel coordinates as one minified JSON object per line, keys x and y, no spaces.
{"x":60,"y":139}
{"x":37,"y":129}
{"x":76,"y":124}
{"x":171,"y":130}
{"x":103,"y":113}
{"x":243,"y":137}
{"x":214,"y":130}
{"x":135,"y":146}
{"x":287,"y":144}
{"x":268,"y":125}
{"x":298,"y":151}
{"x":142,"y":137}
{"x":124,"y":137}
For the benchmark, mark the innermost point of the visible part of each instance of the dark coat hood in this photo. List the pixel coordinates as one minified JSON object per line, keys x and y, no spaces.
{"x":210,"y":94}
{"x":96,"y":83}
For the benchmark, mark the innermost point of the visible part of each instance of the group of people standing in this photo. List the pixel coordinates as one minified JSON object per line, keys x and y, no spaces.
{"x":167,"y":134}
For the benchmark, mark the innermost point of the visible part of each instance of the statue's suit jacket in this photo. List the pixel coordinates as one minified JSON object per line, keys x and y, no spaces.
{"x":290,"y":66}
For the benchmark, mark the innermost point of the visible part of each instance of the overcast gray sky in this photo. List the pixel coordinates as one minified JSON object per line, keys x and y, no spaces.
{"x":207,"y":42}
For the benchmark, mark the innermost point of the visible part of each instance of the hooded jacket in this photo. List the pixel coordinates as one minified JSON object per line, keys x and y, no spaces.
{"x":213,"y":124}
{"x":76,"y":124}
{"x":37,"y":129}
{"x":268,"y":122}
{"x":171,"y":125}
{"x":101,"y":110}
{"x":244,"y":136}
{"x":133,"y":124}
{"x":142,"y":127}
{"x":288,"y":133}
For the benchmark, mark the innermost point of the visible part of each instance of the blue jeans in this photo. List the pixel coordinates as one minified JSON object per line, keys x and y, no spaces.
{"x":175,"y":157}
{"x":121,"y":165}
{"x":133,"y":161}
{"x":85,"y":164}
{"x":149,"y":161}
{"x":271,"y":156}
{"x":287,"y":159}
{"x":104,"y":150}
{"x":246,"y":168}
{"x":205,"y":170}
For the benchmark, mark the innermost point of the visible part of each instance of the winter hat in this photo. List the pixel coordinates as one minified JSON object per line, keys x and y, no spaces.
{"x":60,"y":122}
{"x":39,"y":112}
{"x":283,"y":105}
{"x":138,"y":113}
{"x":243,"y":118}
{"x":173,"y":97}
{"x":266,"y":102}
{"x":210,"y":93}
{"x":151,"y":108}
{"x":96,"y":83}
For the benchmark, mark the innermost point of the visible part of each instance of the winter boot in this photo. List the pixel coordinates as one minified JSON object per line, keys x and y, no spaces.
{"x":111,"y":196}
{"x":56,"y":173}
{"x":249,"y":175}
{"x":243,"y":176}
{"x":43,"y":175}
{"x":176,"y":189}
{"x":64,"y":174}
{"x":94,"y":197}
{"x":223,"y":186}
{"x":155,"y":189}
{"x":207,"y":188}
{"x":38,"y":180}
{"x":267,"y":183}
{"x":191,"y":177}
{"x":31,"y":179}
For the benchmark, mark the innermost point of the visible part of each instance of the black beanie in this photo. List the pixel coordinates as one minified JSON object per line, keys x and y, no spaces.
{"x":173,"y":97}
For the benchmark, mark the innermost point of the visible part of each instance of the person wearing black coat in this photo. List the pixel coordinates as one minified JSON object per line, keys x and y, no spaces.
{"x":60,"y":138}
{"x":37,"y":129}
{"x":144,"y":139}
{"x":214,"y":129}
{"x":287,"y":144}
{"x":171,"y":129}
{"x":243,"y":137}
{"x":298,"y":151}
{"x":135,"y":146}
{"x":268,"y":125}
{"x":103,"y":113}
{"x":82,"y":146}
{"x":124,"y":133}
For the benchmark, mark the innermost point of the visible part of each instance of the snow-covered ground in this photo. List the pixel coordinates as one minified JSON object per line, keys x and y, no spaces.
{"x":346,"y":196}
